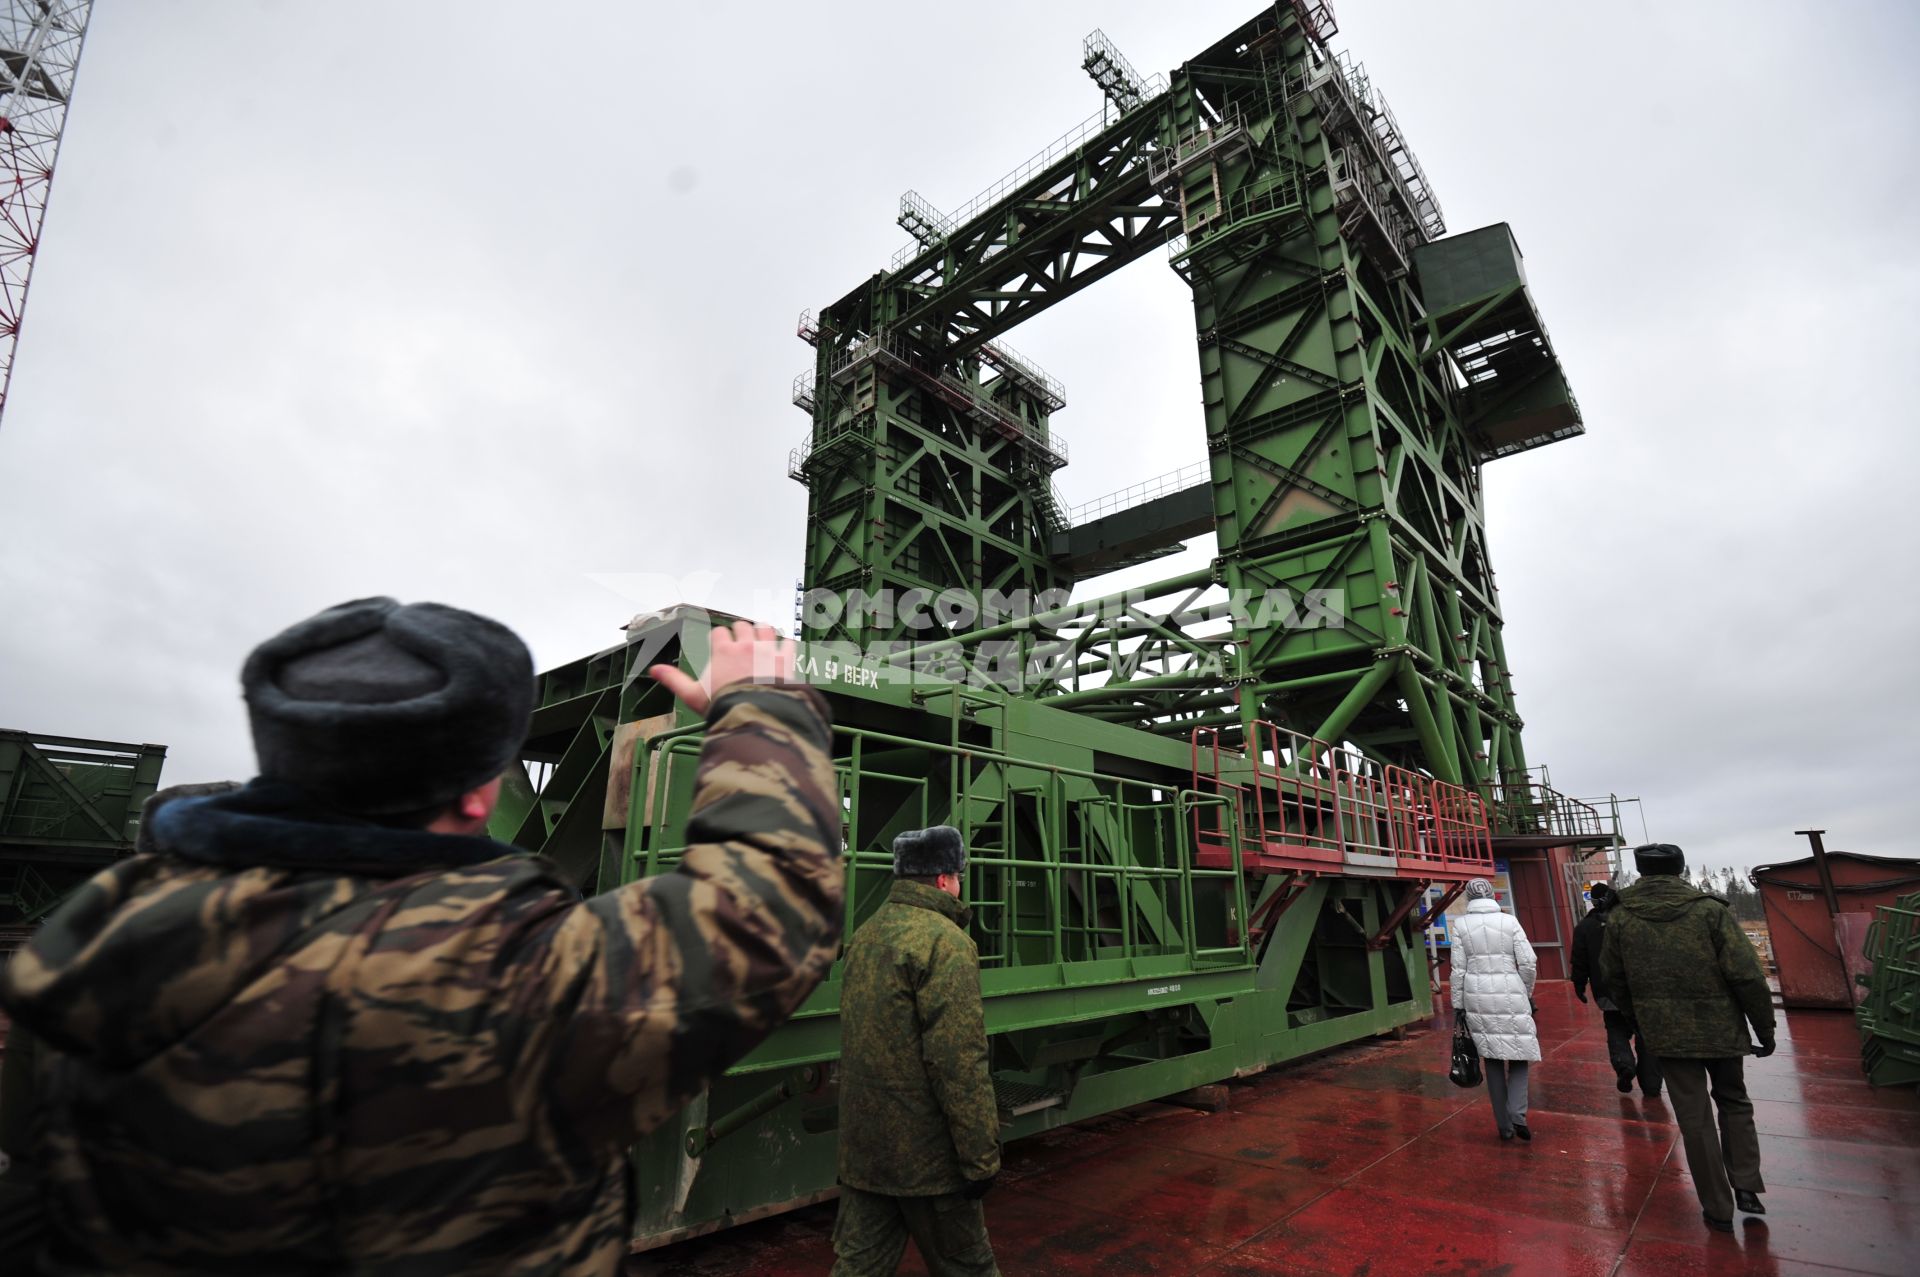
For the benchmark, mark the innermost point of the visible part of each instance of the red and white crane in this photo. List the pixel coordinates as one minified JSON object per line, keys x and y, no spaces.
{"x":39,"y":51}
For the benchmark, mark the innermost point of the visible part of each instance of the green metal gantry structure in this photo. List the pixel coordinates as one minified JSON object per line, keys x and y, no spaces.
{"x":68,"y":808}
{"x":1203,"y":834}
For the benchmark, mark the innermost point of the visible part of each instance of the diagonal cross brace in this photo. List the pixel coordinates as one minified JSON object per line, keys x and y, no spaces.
{"x":67,"y":790}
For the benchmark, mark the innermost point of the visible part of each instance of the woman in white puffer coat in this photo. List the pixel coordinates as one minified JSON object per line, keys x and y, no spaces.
{"x":1493,"y":974}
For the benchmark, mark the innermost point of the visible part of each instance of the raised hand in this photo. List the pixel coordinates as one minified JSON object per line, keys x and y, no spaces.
{"x":742,"y":653}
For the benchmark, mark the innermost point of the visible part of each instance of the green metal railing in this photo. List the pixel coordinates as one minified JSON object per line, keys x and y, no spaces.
{"x":1889,"y":1015}
{"x":1111,"y":860}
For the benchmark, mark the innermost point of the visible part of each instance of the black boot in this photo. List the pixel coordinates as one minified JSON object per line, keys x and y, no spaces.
{"x":1717,"y":1225}
{"x":1749,"y":1203}
{"x":1520,"y":1129}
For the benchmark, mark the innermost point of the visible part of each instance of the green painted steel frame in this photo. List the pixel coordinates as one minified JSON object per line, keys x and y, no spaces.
{"x":1339,"y":461}
{"x":1116,"y":966}
{"x":1115,"y":969}
{"x":68,"y":806}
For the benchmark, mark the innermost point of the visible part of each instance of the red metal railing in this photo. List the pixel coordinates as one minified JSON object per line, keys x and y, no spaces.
{"x":1307,"y":806}
{"x":1444,"y":828}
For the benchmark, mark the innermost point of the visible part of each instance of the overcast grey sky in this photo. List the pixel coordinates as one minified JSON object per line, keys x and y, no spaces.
{"x":483,"y":302}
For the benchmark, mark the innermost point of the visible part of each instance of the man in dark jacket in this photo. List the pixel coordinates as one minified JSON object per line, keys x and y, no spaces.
{"x":1677,"y":962}
{"x":919,"y":1128}
{"x":324,"y":1025}
{"x":1625,"y":1047}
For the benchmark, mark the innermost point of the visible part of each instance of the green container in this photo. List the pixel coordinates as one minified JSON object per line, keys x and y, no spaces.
{"x":1889,"y":1015}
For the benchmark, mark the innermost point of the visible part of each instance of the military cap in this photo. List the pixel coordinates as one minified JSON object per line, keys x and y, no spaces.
{"x":1659,"y":858}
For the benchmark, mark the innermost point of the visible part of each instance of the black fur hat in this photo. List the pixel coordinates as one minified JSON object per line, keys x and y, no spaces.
{"x":1659,"y":858}
{"x":378,"y":708}
{"x":927,"y":853}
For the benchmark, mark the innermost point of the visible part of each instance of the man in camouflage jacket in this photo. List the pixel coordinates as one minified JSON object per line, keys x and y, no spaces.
{"x":1678,"y":964}
{"x":919,"y":1128}
{"x":324,"y":1026}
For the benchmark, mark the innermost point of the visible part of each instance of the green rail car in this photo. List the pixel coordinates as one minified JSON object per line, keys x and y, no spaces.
{"x":1116,"y":969}
{"x":1201,"y":837}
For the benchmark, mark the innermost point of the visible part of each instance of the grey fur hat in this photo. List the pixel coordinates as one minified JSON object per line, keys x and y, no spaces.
{"x":378,"y":708}
{"x":927,"y":853}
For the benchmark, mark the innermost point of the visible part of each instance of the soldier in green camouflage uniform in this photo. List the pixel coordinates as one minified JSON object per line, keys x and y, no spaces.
{"x":1678,"y":964}
{"x":919,"y":1128}
{"x":322,"y":1029}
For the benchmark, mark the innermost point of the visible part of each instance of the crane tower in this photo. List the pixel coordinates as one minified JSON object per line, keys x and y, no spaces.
{"x":39,"y":52}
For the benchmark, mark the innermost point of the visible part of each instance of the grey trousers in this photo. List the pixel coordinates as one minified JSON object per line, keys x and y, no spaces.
{"x":1507,"y":1088}
{"x":1721,"y":1156}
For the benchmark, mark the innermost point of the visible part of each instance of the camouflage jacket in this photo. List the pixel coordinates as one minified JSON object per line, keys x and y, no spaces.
{"x":287,"y":1043}
{"x":1674,"y":959}
{"x":917,"y":1113}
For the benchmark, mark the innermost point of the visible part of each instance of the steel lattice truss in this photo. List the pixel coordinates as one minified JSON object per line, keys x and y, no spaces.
{"x":1349,"y":404}
{"x":40,"y":43}
{"x":1204,"y":833}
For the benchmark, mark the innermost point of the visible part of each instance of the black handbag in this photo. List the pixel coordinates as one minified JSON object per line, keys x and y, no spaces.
{"x":1466,"y":1059}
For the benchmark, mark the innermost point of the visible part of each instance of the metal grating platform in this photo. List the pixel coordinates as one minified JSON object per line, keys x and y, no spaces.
{"x":1016,"y":1098}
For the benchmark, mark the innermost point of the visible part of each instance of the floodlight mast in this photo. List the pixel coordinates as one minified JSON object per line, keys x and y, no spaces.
{"x":40,"y":42}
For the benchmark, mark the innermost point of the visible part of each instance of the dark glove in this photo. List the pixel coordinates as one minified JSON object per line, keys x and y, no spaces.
{"x":1533,"y":1008}
{"x":978,"y":1188}
{"x":1581,"y":994}
{"x":1764,"y":1049}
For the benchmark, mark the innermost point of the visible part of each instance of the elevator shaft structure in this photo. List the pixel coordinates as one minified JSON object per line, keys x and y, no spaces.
{"x":1207,"y":821}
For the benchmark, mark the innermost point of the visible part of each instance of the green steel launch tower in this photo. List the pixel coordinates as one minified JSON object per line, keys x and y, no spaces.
{"x":1358,"y":369}
{"x":1208,"y":819}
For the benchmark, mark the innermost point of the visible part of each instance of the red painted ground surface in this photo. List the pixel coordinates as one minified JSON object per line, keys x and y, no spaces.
{"x":1368,"y":1162}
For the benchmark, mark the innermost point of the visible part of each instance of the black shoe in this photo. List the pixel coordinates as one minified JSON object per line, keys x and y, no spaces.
{"x":1654,"y":1094}
{"x":1749,"y":1203}
{"x":1717,"y":1225}
{"x":1624,"y":1085}
{"x":1506,"y":1135}
{"x":1520,"y":1129}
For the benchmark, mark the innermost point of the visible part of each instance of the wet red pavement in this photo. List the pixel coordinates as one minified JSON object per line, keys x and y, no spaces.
{"x":1369,"y":1162}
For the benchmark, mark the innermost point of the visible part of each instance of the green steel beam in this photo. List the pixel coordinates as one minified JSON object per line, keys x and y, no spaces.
{"x":1115,"y":540}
